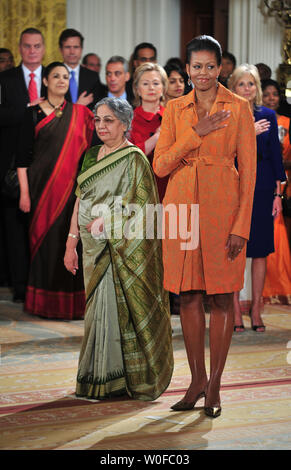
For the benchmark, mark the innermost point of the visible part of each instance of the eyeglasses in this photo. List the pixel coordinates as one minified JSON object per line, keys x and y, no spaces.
{"x":146,"y":59}
{"x":105,"y":120}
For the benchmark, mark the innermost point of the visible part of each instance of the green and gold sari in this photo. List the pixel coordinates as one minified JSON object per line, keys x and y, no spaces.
{"x":127,"y":345}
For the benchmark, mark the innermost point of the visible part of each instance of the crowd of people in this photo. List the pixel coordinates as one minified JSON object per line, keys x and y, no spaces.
{"x":81,"y":86}
{"x":206,"y":133}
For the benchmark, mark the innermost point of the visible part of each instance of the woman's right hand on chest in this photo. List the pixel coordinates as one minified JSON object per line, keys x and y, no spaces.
{"x":210,"y":123}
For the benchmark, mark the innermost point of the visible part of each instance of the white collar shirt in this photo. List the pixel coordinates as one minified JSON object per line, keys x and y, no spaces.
{"x":121,"y":97}
{"x":37,"y":77}
{"x":77,"y":73}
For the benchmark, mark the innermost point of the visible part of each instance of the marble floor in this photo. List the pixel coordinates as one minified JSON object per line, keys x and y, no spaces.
{"x":39,"y":411}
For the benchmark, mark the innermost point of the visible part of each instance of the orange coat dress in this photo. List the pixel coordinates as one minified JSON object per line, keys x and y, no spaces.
{"x":283,"y":124}
{"x":203,"y":175}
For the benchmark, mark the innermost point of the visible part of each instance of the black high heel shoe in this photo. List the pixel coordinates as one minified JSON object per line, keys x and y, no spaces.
{"x":256,"y":327}
{"x":212,"y":411}
{"x":187,"y":405}
{"x":239,"y":328}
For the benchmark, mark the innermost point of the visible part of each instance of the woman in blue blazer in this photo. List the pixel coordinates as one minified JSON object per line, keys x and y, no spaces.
{"x":245,"y":82}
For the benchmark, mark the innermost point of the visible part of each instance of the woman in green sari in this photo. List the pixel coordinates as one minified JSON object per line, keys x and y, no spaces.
{"x":127,"y":346}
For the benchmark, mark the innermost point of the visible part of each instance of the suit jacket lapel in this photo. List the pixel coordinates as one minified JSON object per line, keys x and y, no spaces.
{"x":43,"y":88}
{"x":22,"y":85}
{"x":82,"y":84}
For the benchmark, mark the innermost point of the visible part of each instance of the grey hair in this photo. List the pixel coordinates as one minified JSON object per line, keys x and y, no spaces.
{"x":117,"y":58}
{"x":120,"y":108}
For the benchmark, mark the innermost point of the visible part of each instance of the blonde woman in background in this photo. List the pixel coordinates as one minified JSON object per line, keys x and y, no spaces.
{"x":150,"y":85}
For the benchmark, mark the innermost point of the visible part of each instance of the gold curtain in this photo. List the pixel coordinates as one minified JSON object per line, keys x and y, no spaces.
{"x":49,"y":16}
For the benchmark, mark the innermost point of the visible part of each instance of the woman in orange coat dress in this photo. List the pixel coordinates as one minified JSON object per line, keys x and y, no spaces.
{"x":200,"y":137}
{"x":277,"y":287}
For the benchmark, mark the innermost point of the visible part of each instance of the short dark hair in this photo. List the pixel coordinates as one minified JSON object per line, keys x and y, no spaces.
{"x":30,"y":31}
{"x":85,"y":58}
{"x":70,"y":33}
{"x":230,"y":56}
{"x":144,"y":45}
{"x":117,"y":58}
{"x":175,"y":60}
{"x":265,"y":69}
{"x":270,"y":82}
{"x":204,"y":43}
{"x":3,"y":50}
{"x":51,"y":66}
{"x":175,"y":67}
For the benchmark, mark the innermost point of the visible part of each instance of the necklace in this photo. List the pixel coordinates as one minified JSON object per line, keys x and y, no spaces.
{"x":106,"y":153}
{"x":57,"y":109}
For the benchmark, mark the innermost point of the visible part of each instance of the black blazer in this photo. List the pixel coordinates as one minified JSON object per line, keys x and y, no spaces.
{"x":13,"y":103}
{"x":89,"y":81}
{"x":129,"y":91}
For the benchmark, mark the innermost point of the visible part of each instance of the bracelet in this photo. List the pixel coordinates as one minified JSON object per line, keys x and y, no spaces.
{"x":72,"y":235}
{"x":278,"y":195}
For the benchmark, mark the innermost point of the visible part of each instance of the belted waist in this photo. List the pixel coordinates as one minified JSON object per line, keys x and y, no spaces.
{"x":208,"y":160}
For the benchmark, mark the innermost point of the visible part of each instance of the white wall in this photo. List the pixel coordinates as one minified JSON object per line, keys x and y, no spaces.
{"x":252,"y":37}
{"x":115,"y":27}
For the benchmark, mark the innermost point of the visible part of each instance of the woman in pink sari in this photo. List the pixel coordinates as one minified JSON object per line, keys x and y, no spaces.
{"x":53,"y":138}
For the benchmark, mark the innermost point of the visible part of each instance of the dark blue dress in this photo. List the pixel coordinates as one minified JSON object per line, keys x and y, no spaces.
{"x":269,"y":170}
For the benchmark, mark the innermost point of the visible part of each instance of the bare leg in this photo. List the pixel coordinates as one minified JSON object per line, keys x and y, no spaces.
{"x":220,"y":334}
{"x":193,"y":325}
{"x":258,"y":279}
{"x":238,"y":321}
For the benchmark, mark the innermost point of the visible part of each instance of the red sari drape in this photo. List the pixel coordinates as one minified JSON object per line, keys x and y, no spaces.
{"x":59,"y":145}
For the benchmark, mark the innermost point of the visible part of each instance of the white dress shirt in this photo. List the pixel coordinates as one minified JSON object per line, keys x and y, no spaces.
{"x":77,"y":72}
{"x":37,"y":77}
{"x":121,"y":97}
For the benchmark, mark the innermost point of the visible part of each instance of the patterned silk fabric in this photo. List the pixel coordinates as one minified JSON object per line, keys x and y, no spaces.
{"x":207,"y":177}
{"x":136,"y":263}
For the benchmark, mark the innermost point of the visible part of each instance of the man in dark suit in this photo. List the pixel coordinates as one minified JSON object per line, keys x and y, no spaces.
{"x":85,"y":85}
{"x":117,"y":77}
{"x":18,"y":90}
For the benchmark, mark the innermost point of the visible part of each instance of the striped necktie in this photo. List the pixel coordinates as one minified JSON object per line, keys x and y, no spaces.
{"x":73,"y":87}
